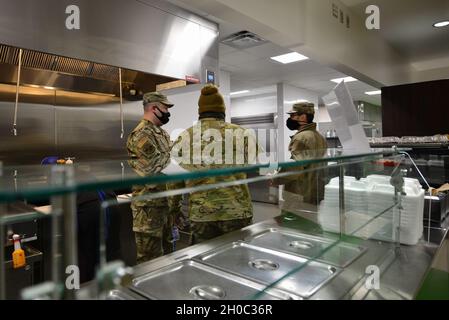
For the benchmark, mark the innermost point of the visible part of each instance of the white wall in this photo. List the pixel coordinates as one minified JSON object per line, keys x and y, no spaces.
{"x":254,"y":105}
{"x":225,"y":90}
{"x":279,"y":103}
{"x":185,"y":112}
{"x":323,"y":115}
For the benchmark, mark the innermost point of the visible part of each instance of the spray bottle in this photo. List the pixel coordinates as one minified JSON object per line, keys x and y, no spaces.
{"x":18,"y":256}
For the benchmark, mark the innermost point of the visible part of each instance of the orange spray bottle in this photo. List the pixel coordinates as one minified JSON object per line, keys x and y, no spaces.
{"x":18,"y":256}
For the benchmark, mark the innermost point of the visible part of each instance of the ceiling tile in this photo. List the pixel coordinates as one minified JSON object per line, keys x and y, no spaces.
{"x":267,"y":50}
{"x":237,"y":58}
{"x":225,"y":49}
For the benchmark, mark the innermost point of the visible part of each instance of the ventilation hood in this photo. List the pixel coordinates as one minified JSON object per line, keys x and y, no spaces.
{"x":46,"y":72}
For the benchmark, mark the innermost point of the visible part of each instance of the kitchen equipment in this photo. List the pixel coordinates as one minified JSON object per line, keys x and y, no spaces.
{"x":275,"y":269}
{"x":187,"y":280}
{"x":329,"y":251}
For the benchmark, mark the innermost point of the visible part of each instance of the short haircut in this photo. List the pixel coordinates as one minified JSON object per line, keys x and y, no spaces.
{"x":310,"y":117}
{"x":148,"y":105}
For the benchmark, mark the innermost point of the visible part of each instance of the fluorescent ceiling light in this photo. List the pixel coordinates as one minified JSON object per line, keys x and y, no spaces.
{"x":239,"y":92}
{"x":295,"y":101}
{"x":289,"y":58}
{"x":441,"y":24}
{"x":373,"y":93}
{"x":346,"y":79}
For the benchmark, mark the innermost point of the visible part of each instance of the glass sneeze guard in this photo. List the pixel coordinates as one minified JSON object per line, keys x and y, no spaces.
{"x":323,"y":234}
{"x":31,"y":181}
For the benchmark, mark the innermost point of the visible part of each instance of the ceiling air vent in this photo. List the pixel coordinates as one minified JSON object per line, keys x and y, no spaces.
{"x":243,"y":40}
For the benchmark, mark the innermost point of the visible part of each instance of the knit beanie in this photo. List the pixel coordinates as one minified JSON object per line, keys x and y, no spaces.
{"x":211,"y":100}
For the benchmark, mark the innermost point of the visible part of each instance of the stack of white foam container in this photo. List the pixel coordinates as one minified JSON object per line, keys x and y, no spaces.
{"x":371,"y":211}
{"x":329,"y":209}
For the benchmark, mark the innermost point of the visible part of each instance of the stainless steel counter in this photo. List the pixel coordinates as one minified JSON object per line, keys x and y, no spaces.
{"x":402,"y":270}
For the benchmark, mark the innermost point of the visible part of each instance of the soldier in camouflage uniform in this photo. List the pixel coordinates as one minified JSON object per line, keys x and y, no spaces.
{"x":217,"y":211}
{"x":149,"y":147}
{"x":303,"y":192}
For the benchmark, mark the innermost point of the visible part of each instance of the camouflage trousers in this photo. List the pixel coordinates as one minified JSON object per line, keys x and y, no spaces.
{"x":202,"y":231}
{"x":152,"y":229}
{"x":151,"y":245}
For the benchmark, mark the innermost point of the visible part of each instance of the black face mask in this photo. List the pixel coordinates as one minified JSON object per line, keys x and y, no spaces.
{"x":292,"y":124}
{"x":165,"y":118}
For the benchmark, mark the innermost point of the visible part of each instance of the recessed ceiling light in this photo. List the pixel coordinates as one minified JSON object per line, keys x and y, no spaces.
{"x":346,"y":79}
{"x":373,"y":93}
{"x":239,"y":92}
{"x":289,"y":58}
{"x":441,"y":24}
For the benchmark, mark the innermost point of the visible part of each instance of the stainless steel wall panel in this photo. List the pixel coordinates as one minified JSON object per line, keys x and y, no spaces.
{"x":131,"y":34}
{"x":95,"y":129}
{"x":35,"y":128}
{"x":150,"y":36}
{"x":84,"y":132}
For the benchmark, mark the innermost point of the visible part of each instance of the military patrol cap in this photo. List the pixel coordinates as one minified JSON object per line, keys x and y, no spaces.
{"x":303,"y":108}
{"x":156,"y":97}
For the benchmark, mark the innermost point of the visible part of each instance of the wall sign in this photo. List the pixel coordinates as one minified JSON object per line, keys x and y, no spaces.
{"x":192,"y":79}
{"x":210,"y":76}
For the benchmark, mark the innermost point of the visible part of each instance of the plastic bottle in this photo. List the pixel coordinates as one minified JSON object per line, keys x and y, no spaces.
{"x":18,"y":256}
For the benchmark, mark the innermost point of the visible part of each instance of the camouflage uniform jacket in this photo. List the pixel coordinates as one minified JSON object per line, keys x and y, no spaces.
{"x":307,"y":143}
{"x":149,"y":147}
{"x":222,"y":204}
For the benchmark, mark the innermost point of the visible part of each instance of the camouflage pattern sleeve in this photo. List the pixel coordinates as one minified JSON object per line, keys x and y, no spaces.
{"x":149,"y":148}
{"x":222,"y":204}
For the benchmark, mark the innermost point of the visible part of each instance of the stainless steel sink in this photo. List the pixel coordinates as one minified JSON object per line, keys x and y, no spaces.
{"x":330,"y":251}
{"x":271,"y":268}
{"x":188,"y":279}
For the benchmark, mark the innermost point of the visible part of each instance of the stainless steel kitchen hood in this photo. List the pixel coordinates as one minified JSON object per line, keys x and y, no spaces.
{"x":150,"y":36}
{"x":52,"y":72}
{"x":67,"y":101}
